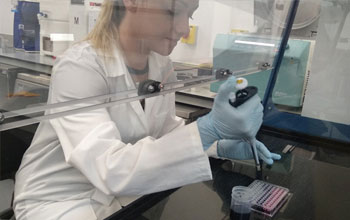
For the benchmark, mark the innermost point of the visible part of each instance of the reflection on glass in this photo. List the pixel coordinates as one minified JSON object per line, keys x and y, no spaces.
{"x":90,"y":108}
{"x":312,"y":80}
{"x":327,"y":91}
{"x":312,"y":83}
{"x":214,"y":37}
{"x":119,"y":53}
{"x":250,"y":50}
{"x":288,"y":94}
{"x":290,"y":86}
{"x":200,"y":44}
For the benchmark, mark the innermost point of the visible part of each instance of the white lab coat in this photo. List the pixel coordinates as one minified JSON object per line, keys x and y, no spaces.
{"x":87,"y":165}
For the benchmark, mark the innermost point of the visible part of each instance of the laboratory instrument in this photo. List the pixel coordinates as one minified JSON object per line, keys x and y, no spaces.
{"x":83,"y":16}
{"x":54,"y":27}
{"x":252,"y":57}
{"x":242,"y":96}
{"x":270,"y":14}
{"x":241,"y":202}
{"x":65,"y":22}
{"x":26,"y":28}
{"x":149,"y":86}
{"x":267,"y":198}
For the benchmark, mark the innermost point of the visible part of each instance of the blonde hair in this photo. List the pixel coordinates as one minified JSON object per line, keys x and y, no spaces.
{"x":105,"y":34}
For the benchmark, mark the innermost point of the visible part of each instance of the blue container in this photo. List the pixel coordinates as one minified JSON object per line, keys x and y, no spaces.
{"x":26,"y":30}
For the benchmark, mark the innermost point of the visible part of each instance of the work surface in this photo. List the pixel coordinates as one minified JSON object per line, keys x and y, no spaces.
{"x":318,"y":179}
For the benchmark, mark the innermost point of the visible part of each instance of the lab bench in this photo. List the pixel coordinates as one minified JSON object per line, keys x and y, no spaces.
{"x":193,"y":103}
{"x":318,"y":186}
{"x":27,"y":60}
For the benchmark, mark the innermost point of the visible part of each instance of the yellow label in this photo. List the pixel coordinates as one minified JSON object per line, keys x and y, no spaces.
{"x":238,"y":31}
{"x":191,"y":38}
{"x":239,"y":81}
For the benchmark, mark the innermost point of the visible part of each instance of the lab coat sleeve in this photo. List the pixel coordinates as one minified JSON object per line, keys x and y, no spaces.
{"x":172,"y":121}
{"x":91,"y":141}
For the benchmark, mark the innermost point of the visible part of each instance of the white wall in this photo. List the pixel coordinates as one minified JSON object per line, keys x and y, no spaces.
{"x":203,"y":19}
{"x":221,"y":22}
{"x":243,"y":15}
{"x":6,"y":17}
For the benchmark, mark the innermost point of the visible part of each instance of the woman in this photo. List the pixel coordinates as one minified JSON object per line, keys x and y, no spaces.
{"x":88,"y":165}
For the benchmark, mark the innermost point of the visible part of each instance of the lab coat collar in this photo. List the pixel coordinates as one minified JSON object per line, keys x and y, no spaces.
{"x":116,"y":67}
{"x":154,"y":68}
{"x":154,"y":74}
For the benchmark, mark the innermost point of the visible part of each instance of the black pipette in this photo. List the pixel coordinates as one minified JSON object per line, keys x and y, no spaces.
{"x":242,"y":96}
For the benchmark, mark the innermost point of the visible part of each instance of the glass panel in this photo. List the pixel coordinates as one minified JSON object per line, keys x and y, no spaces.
{"x":34,"y":34}
{"x":313,"y":76}
{"x":248,"y":48}
{"x":330,"y":66}
{"x":95,"y":74}
{"x":290,"y":87}
{"x":39,"y":33}
{"x":92,"y":58}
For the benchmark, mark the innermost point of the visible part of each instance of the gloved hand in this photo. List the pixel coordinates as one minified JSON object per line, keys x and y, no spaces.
{"x":241,"y":150}
{"x":226,"y":122}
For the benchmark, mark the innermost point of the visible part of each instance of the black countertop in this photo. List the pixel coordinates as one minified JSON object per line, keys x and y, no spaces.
{"x":317,"y":177}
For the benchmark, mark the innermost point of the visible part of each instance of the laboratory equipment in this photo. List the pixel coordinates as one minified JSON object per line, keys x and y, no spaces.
{"x":269,"y":14}
{"x":241,"y":202}
{"x":253,"y":56}
{"x":54,"y":27}
{"x":34,"y":83}
{"x":65,"y":22}
{"x":149,"y":86}
{"x":326,"y":95}
{"x":26,"y":28}
{"x":226,"y":122}
{"x":242,"y":95}
{"x":8,"y":75}
{"x":83,"y":16}
{"x":77,"y":19}
{"x":267,"y":198}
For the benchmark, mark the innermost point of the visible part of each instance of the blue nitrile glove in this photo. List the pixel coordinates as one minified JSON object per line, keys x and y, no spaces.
{"x":226,"y":122}
{"x":241,"y":150}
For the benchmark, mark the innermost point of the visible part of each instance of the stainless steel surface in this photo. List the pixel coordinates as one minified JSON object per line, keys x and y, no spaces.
{"x":31,"y":61}
{"x":200,"y":96}
{"x":185,"y":111}
{"x":189,"y":112}
{"x":41,"y":79}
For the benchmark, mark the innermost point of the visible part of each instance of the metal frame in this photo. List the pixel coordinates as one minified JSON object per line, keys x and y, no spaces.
{"x":22,"y":117}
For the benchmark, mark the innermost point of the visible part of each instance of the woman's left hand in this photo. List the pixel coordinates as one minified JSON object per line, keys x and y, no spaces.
{"x":241,"y":150}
